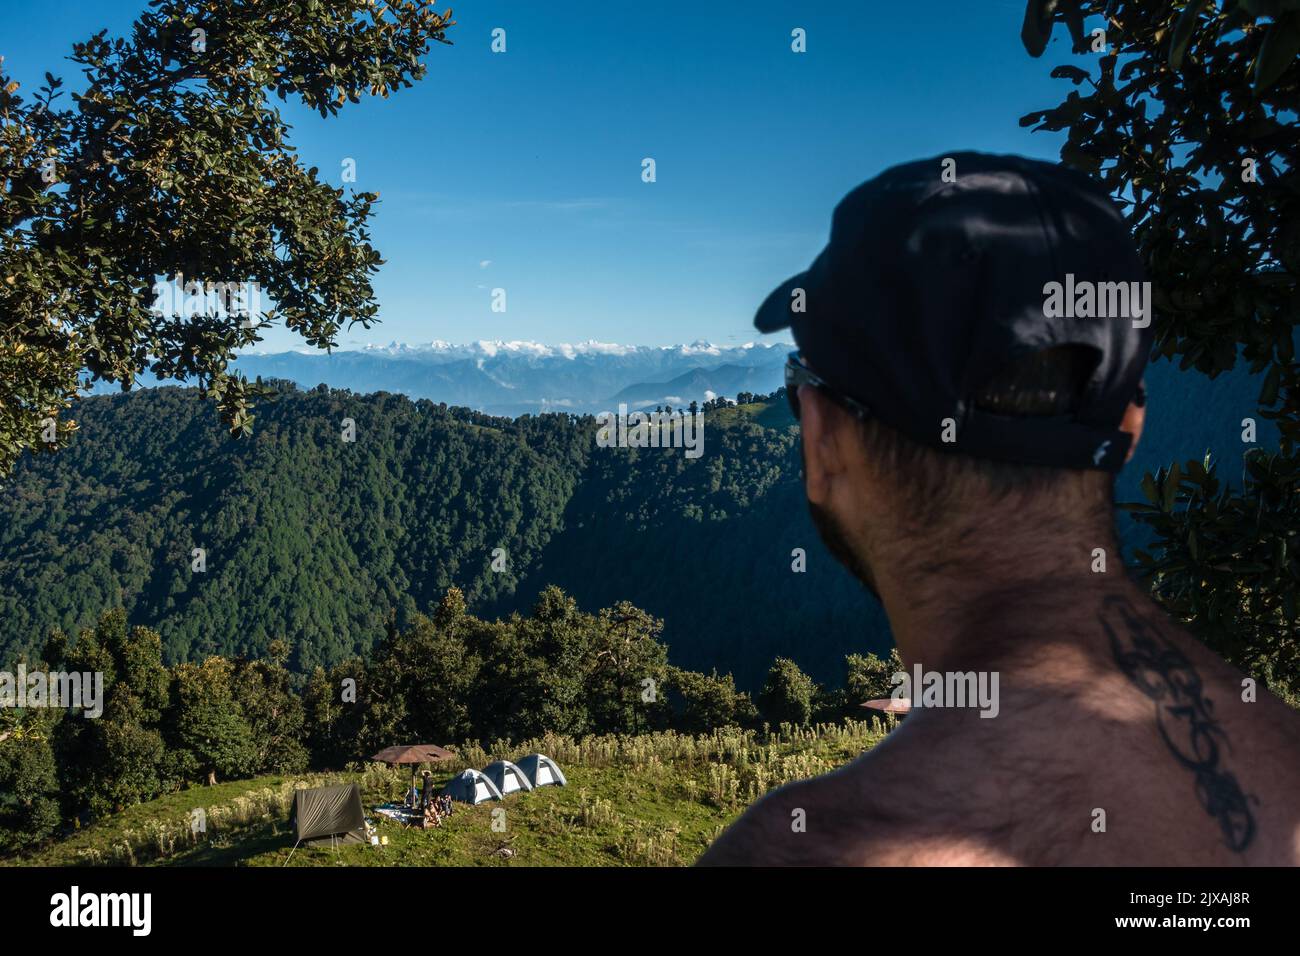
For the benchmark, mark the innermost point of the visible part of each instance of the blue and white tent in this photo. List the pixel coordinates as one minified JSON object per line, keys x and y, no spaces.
{"x":542,"y":771}
{"x":470,"y":786}
{"x":507,"y":777}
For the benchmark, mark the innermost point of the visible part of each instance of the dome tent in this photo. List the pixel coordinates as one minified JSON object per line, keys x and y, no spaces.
{"x":470,"y":786}
{"x":507,"y":777}
{"x":542,"y":771}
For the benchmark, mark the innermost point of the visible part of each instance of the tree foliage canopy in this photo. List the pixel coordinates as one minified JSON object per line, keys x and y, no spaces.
{"x":1187,"y":111}
{"x":173,"y":162}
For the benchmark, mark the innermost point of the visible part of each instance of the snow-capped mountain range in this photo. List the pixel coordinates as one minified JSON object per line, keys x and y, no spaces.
{"x":518,"y":377}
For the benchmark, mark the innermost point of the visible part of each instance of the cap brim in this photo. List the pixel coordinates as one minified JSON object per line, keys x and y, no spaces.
{"x":774,"y":314}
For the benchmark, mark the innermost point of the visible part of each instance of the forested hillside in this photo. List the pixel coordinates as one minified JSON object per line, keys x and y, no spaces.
{"x":449,"y":677}
{"x":319,"y":541}
{"x":707,"y":546}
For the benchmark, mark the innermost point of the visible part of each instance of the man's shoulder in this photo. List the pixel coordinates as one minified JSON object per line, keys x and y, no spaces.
{"x":860,"y":815}
{"x":794,"y":825}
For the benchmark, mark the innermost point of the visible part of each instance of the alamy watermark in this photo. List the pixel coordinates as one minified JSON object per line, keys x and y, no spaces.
{"x":657,"y":429}
{"x":1084,"y":299}
{"x":61,"y":689}
{"x":923,"y":688}
{"x":181,"y":298}
{"x":74,"y":908}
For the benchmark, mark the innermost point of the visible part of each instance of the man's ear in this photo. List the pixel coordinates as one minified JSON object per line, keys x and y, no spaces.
{"x":1135,"y":417}
{"x":822,"y":424}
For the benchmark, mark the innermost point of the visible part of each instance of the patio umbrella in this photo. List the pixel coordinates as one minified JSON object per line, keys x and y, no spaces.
{"x":413,"y":754}
{"x":889,"y":705}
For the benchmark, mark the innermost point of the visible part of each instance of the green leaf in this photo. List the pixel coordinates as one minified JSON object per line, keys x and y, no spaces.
{"x":1080,"y":159}
{"x":1037,"y":27}
{"x":1279,"y":50}
{"x":1074,"y":74}
{"x":1183,"y":31}
{"x":1171,"y":488}
{"x":1149,"y":489}
{"x":1266,"y":8}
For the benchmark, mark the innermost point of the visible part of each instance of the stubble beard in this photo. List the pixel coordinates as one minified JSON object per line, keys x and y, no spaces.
{"x":836,"y":540}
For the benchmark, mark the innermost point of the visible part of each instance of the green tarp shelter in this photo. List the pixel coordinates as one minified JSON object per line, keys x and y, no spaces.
{"x":329,"y":815}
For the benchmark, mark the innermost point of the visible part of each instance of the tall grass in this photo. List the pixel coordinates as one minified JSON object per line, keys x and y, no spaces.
{"x":741,"y":749}
{"x":161,"y":839}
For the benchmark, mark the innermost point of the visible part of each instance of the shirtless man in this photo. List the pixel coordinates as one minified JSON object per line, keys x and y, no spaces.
{"x":961,"y":430}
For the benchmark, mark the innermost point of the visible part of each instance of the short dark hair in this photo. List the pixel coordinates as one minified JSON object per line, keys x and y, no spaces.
{"x":934,"y":482}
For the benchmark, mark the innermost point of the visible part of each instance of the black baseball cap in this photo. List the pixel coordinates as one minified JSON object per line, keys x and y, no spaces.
{"x":939,"y":273}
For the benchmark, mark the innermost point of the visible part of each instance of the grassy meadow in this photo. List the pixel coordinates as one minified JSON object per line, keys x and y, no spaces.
{"x":651,"y":800}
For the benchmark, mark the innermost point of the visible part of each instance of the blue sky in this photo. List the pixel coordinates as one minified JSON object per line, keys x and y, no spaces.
{"x":530,"y":161}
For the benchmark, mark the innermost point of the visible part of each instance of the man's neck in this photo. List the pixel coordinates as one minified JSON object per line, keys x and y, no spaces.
{"x":954,"y":614}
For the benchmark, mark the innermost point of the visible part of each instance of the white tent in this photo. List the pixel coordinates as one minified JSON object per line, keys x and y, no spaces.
{"x":507,"y":777}
{"x":542,"y":771}
{"x":470,"y":786}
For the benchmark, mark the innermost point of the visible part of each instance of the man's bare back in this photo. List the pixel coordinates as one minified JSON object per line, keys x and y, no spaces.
{"x":1139,"y":728}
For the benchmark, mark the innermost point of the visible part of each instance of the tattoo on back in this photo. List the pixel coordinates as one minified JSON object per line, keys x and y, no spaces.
{"x":1184,"y":716}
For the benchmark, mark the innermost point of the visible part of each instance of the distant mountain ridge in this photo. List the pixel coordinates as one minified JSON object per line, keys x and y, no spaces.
{"x":522,"y":377}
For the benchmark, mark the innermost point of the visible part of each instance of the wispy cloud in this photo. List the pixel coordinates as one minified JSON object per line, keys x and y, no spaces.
{"x":558,"y":205}
{"x":444,"y":206}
